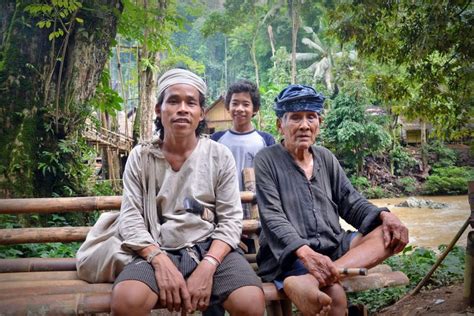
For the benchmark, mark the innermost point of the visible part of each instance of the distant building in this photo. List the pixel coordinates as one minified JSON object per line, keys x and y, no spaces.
{"x":217,"y":117}
{"x":412,"y":131}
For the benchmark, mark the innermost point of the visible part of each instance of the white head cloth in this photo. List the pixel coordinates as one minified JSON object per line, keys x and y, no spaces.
{"x":180,"y":76}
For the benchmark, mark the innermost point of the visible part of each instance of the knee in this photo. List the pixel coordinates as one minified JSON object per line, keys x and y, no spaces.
{"x":246,"y":301}
{"x":127,"y":301}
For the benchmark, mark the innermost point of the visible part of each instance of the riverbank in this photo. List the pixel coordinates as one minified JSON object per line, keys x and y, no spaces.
{"x":430,"y":227}
{"x":446,"y":300}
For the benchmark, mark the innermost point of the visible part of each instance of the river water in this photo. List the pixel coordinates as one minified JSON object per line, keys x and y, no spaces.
{"x":431,"y":227}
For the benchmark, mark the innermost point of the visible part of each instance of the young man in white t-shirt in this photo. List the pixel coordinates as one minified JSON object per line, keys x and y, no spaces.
{"x":244,"y":141}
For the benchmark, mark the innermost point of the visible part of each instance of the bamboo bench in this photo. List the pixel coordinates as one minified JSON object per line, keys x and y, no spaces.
{"x":47,"y":286}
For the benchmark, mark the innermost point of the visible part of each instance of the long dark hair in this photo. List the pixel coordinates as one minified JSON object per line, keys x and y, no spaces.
{"x":202,"y":124}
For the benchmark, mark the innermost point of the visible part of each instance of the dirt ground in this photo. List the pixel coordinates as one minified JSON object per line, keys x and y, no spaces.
{"x":442,"y":301}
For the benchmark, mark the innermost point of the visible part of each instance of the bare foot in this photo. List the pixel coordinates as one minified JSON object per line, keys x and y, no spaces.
{"x":304,"y":292}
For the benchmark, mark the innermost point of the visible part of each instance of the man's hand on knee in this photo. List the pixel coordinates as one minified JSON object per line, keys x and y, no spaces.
{"x":395,"y":234}
{"x":320,"y":266}
{"x":173,"y":292}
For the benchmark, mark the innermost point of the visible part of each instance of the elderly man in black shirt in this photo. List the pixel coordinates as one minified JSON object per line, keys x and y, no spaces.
{"x":302,"y":191}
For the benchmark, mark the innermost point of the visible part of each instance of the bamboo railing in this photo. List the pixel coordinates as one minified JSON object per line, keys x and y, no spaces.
{"x":73,"y":204}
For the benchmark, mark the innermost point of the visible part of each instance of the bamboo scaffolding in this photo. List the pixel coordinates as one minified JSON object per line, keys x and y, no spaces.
{"x":75,"y":204}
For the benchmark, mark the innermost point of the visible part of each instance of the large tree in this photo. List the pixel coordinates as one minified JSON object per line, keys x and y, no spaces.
{"x":51,"y":57}
{"x":429,"y":50}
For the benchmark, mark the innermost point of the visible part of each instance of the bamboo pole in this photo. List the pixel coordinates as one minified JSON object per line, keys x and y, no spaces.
{"x":248,"y":176}
{"x":59,"y":304}
{"x":14,"y":236}
{"x":38,"y":276}
{"x":440,"y":259}
{"x":37,"y":264}
{"x":52,"y":289}
{"x":75,"y":204}
{"x":58,"y":205}
{"x":469,"y":258}
{"x":86,"y":298}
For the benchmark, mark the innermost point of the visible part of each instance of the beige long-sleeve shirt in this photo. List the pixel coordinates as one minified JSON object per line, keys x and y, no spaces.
{"x":208,"y":175}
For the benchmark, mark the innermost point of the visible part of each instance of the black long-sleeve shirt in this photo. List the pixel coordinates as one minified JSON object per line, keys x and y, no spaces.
{"x":295,"y":211}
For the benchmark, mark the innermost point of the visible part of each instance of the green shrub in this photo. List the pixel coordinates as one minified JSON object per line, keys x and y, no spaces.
{"x":440,"y":155}
{"x":449,"y":180}
{"x":359,"y":183}
{"x":48,"y":250}
{"x":375,"y":193}
{"x":402,"y":161}
{"x":415,"y":263}
{"x":409,"y":184}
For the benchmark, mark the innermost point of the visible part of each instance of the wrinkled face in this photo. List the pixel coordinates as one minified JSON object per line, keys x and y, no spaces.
{"x":299,"y":129}
{"x":241,"y":108}
{"x":180,"y":111}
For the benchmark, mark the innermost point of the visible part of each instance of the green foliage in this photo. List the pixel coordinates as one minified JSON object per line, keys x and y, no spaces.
{"x":363,"y":185}
{"x":448,"y":180}
{"x":68,"y":168}
{"x":266,"y":112}
{"x":359,"y":183}
{"x":408,"y":184}
{"x":159,"y":23}
{"x":433,"y":80}
{"x":440,"y":155}
{"x":375,"y":193}
{"x":58,"y":15}
{"x":415,"y":263}
{"x":401,"y":160}
{"x":106,"y":99}
{"x":349,"y":132}
{"x":48,"y":250}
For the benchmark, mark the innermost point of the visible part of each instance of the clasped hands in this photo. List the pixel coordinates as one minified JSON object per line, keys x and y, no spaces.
{"x":177,"y":294}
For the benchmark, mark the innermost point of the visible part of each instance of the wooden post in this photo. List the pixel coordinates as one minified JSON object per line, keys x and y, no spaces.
{"x":469,"y":261}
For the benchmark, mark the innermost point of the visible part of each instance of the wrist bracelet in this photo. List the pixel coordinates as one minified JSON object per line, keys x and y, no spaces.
{"x":211,"y":260}
{"x":153,"y":254}
{"x":213,"y":257}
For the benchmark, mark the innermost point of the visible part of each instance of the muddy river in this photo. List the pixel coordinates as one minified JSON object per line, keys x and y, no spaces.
{"x":431,"y":227}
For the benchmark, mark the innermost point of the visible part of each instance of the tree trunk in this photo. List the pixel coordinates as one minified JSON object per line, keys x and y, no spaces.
{"x":148,"y":81}
{"x":424,"y":152}
{"x":295,"y":24}
{"x":272,"y":42}
{"x":44,"y":88}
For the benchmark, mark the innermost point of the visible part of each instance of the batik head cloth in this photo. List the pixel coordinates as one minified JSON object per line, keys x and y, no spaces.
{"x":298,"y":98}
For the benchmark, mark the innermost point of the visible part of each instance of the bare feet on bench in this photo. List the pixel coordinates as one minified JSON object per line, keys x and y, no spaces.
{"x":304,"y":292}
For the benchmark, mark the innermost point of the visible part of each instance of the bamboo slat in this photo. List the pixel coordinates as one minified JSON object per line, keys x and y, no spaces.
{"x":37,"y":264}
{"x":55,"y":264}
{"x":59,"y":304}
{"x":79,"y":297}
{"x":69,"y":234}
{"x":55,"y":288}
{"x":42,"y":234}
{"x":374,"y":281}
{"x":38,"y":276}
{"x":75,"y":204}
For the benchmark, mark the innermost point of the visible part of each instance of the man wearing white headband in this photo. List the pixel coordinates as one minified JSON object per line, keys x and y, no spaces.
{"x":181,"y":259}
{"x":302,"y":191}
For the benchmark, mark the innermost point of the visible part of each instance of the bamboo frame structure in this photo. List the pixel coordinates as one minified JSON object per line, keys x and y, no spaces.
{"x":76,"y":204}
